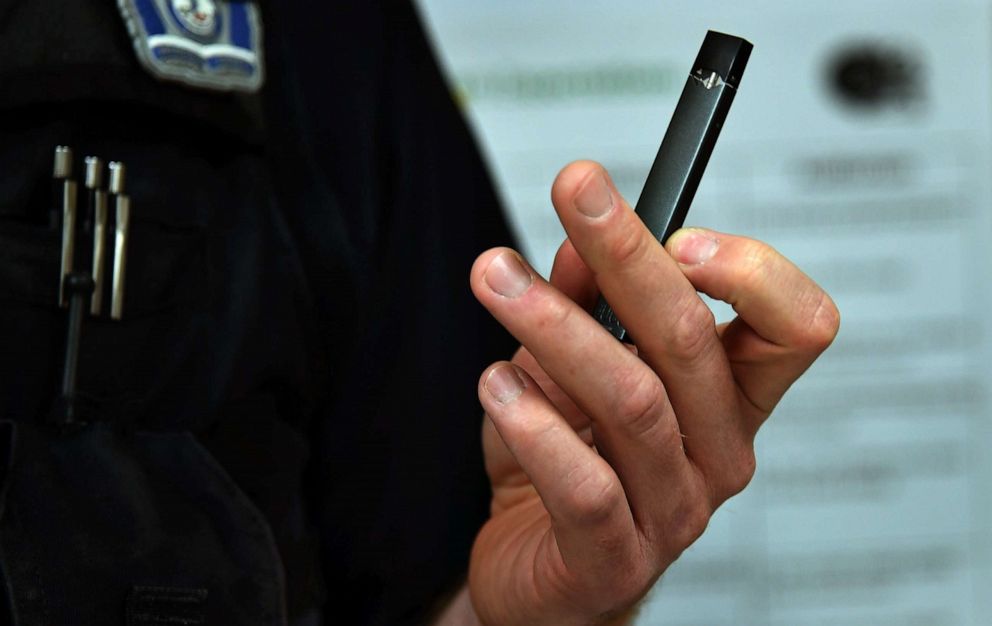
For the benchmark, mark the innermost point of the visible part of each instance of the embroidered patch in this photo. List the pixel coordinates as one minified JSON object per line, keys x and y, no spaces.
{"x":211,"y":44}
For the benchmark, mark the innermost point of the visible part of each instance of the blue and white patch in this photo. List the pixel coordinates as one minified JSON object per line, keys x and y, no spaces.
{"x":211,"y":44}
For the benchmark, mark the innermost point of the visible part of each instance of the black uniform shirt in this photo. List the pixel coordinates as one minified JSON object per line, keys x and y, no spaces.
{"x":286,"y":416}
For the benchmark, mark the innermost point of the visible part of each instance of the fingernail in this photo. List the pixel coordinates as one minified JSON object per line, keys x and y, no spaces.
{"x":507,"y":276}
{"x":691,"y":246}
{"x":595,"y":198}
{"x":504,"y":384}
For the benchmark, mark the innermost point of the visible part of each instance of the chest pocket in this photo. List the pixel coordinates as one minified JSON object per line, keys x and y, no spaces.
{"x":164,"y":266}
{"x":104,"y":528}
{"x":166,"y":279}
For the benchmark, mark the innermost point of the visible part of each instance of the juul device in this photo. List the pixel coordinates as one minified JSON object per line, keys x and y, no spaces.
{"x":688,"y":143}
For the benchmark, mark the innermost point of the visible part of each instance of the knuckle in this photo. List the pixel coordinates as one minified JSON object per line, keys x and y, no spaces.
{"x":818,"y":320}
{"x":594,"y":499}
{"x":741,"y":472}
{"x":689,"y":522}
{"x":754,"y":264}
{"x":694,"y":326}
{"x":554,"y":314}
{"x":641,"y":401}
{"x":628,"y":245}
{"x":529,"y":433}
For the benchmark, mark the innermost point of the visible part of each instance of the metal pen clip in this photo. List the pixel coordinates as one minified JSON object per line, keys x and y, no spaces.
{"x":97,"y":211}
{"x":61,"y":171}
{"x":122,"y":210}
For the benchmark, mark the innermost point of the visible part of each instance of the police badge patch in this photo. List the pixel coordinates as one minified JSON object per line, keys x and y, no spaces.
{"x":212,"y":44}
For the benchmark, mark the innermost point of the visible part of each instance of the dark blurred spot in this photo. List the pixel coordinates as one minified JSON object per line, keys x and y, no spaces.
{"x":875,"y":76}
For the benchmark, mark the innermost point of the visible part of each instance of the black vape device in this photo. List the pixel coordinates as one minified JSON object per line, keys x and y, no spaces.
{"x":687,"y":145}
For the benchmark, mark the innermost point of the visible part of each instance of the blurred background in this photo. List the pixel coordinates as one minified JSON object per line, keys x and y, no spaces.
{"x":859,"y":145}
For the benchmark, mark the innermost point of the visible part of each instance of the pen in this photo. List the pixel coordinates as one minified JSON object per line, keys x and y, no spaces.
{"x":96,"y":220}
{"x":122,"y":214}
{"x":67,"y":186}
{"x":61,"y":171}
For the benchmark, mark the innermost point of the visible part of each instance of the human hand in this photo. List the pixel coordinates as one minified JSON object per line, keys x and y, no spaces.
{"x":606,"y":461}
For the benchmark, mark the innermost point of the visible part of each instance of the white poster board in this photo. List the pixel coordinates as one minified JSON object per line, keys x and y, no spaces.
{"x":859,"y":145}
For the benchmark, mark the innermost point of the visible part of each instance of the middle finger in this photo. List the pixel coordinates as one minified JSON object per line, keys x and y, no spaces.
{"x":673,"y":327}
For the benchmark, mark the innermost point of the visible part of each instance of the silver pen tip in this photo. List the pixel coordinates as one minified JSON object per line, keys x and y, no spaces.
{"x":117,"y":172}
{"x":94,"y":172}
{"x":63,"y":162}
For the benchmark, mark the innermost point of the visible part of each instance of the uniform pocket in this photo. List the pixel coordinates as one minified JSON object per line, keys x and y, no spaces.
{"x":102,"y":527}
{"x":29,"y":263}
{"x":166,"y":280}
{"x":165,"y":265}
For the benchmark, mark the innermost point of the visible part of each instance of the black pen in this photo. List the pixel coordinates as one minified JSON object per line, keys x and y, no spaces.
{"x":709,"y":90}
{"x":65,"y":191}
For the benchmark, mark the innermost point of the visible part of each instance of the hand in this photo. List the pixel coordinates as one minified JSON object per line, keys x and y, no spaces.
{"x":607,"y":461}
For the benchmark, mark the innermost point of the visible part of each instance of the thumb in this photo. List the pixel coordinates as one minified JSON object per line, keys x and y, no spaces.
{"x":785,"y":320}
{"x":766,"y":290}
